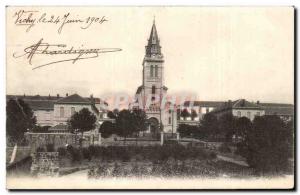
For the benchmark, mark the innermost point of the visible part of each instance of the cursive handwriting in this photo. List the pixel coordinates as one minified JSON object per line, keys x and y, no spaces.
{"x":51,"y":50}
{"x":33,"y":18}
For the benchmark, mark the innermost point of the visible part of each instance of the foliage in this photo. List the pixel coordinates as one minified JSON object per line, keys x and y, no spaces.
{"x":178,"y":113}
{"x":209,"y":127}
{"x":107,"y":129}
{"x":224,"y":148}
{"x":137,"y":153}
{"x":130,"y":122}
{"x":19,"y":119}
{"x":62,"y":151}
{"x":50,"y":148}
{"x":227,"y":126}
{"x":266,"y":145}
{"x":187,"y":130}
{"x":185,"y":113}
{"x":113,"y":114}
{"x":193,"y":114}
{"x":40,"y":129}
{"x":83,"y":121}
{"x":243,"y":125}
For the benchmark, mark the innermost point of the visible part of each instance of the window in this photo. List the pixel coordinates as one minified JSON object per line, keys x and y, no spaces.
{"x":61,"y":112}
{"x":249,"y":115}
{"x":258,"y":114}
{"x":153,"y":89}
{"x":72,"y":111}
{"x":156,"y":70}
{"x":239,"y":113}
{"x":170,"y":120}
{"x":151,"y":71}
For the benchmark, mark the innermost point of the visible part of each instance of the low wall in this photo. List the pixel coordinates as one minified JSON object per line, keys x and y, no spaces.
{"x":58,"y":140}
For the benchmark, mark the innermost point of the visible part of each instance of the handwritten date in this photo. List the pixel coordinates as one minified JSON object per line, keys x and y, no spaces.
{"x":32,"y":18}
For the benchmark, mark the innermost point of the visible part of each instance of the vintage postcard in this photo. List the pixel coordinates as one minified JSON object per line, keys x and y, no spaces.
{"x":150,"y":97}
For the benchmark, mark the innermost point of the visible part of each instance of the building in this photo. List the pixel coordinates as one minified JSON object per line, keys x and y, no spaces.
{"x":240,"y":108}
{"x":200,"y":108}
{"x":64,"y":108}
{"x":150,"y":95}
{"x":56,"y":110}
{"x":284,"y":111}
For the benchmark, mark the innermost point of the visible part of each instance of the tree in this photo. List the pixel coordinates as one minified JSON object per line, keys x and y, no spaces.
{"x":193,"y":114}
{"x":19,"y":118}
{"x":107,"y":129}
{"x":130,"y":122}
{"x":82,"y":121}
{"x":209,"y":127}
{"x":188,"y":130}
{"x":124,"y":124}
{"x":243,"y":125}
{"x":140,"y":119}
{"x":227,"y":125}
{"x":185,"y":113}
{"x":266,"y":145}
{"x":290,"y":134}
{"x":113,"y":114}
{"x":178,"y":113}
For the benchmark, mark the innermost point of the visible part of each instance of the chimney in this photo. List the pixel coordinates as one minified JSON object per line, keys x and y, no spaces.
{"x":257,"y":102}
{"x":24,"y":95}
{"x":57,"y":95}
{"x":67,"y":94}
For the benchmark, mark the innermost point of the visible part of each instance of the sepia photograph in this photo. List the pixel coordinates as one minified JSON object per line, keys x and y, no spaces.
{"x":157,"y":98}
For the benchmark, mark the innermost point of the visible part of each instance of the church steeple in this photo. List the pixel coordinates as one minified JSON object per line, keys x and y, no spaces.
{"x":153,"y":46}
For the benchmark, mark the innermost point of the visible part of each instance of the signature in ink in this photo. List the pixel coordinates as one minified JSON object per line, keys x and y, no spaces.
{"x":43,"y":48}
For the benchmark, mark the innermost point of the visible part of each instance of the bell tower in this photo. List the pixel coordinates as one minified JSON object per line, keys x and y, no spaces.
{"x":149,"y":96}
{"x":153,"y":69}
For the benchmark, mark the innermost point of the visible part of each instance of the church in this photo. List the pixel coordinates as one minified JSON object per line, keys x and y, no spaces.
{"x":151,"y":95}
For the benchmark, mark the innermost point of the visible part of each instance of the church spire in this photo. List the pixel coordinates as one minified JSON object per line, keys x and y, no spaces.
{"x":153,"y":46}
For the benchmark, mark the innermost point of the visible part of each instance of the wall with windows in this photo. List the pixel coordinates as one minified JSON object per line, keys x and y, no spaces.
{"x":200,"y":110}
{"x":250,"y":114}
{"x":44,"y":117}
{"x":63,"y":112}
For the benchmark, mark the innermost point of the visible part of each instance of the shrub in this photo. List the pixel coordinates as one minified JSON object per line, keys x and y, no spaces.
{"x":62,"y":151}
{"x":224,"y":148}
{"x":50,"y":147}
{"x":40,"y":149}
{"x":212,"y":155}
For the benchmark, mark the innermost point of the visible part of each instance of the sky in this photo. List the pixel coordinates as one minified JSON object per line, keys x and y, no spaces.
{"x":215,"y":53}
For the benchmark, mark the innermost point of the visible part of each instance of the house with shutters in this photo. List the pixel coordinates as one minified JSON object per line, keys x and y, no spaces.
{"x":239,"y":108}
{"x":55,"y":111}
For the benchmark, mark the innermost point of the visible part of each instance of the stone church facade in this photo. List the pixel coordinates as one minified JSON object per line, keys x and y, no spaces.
{"x":151,"y":95}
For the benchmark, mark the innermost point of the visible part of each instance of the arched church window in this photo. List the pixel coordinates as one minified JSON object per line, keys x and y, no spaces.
{"x":156,"y":70}
{"x":151,"y":71}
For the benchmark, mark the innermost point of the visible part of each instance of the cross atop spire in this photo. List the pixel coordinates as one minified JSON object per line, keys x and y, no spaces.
{"x":153,"y":46}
